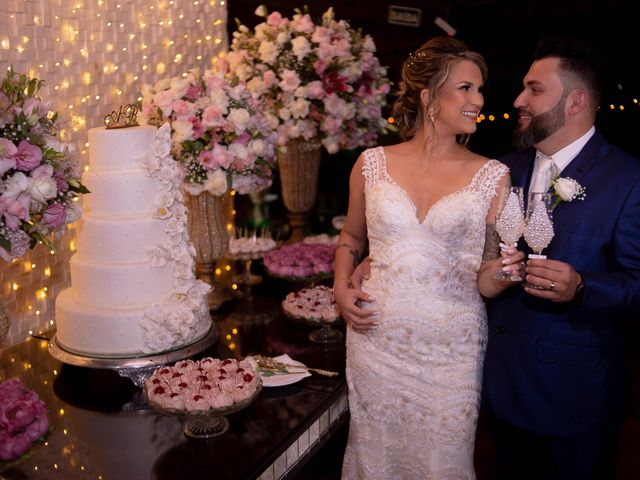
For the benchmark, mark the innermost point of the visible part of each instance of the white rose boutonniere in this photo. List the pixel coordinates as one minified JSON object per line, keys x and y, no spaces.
{"x":567,"y":189}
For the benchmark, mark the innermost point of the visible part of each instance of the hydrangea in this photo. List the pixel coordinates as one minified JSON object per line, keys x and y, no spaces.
{"x":39,"y":179}
{"x":315,"y":81}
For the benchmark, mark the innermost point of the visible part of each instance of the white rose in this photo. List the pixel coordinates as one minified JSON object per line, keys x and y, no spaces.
{"x":43,"y":188}
{"x":259,"y":147}
{"x":216,"y":182}
{"x":566,"y":188}
{"x":193,"y":188}
{"x":300,"y":108}
{"x":239,"y":117}
{"x":183,"y":130}
{"x":268,"y":52}
{"x":282,"y":38}
{"x":301,"y":47}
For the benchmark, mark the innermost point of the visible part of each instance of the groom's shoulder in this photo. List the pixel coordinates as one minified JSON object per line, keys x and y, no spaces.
{"x":514,"y":158}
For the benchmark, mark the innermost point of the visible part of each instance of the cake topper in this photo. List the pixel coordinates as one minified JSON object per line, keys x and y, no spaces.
{"x":124,"y":117}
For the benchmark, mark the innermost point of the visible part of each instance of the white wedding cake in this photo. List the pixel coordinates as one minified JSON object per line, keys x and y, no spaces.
{"x":133,"y":288}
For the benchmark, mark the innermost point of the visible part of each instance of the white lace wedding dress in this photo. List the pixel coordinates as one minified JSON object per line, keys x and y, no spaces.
{"x":414,"y":382}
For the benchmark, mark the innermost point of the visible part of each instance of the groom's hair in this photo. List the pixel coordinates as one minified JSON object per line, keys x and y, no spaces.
{"x":579,"y":59}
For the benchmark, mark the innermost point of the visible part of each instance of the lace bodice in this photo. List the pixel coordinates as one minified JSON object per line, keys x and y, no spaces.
{"x":414,"y":381}
{"x":442,"y":254}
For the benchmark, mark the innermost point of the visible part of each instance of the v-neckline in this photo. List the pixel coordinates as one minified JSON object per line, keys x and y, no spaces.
{"x":391,"y":181}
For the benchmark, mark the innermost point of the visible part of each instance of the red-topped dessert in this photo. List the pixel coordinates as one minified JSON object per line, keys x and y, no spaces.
{"x":317,"y":303}
{"x":208,"y":384}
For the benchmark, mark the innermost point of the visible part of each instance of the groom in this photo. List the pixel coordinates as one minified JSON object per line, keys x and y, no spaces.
{"x":556,"y":384}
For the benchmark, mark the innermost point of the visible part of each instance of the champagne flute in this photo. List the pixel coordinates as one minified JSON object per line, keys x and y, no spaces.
{"x":509,"y":225}
{"x":538,"y":230}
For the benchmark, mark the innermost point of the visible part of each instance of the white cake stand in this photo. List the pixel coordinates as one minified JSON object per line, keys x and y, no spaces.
{"x":136,"y":369}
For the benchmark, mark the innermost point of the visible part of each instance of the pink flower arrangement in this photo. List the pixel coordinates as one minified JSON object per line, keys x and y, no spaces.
{"x":319,"y":82}
{"x":219,"y":134}
{"x":23,"y":419}
{"x":38,"y":179}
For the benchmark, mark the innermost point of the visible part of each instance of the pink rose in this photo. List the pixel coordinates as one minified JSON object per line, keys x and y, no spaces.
{"x":13,"y":447}
{"x":28,"y":156}
{"x":269,"y":78}
{"x":54,"y":216}
{"x":14,"y":209}
{"x":193,"y":92}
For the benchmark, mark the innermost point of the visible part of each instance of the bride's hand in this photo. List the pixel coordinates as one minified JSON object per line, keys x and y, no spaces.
{"x":348,"y":300}
{"x":512,"y":261}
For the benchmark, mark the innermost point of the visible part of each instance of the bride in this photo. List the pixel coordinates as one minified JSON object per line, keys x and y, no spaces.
{"x":417,"y":327}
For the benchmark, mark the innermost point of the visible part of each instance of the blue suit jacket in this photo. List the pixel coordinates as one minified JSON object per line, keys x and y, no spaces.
{"x":556,"y":368}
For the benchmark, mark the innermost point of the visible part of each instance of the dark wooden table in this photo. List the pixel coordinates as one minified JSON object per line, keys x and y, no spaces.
{"x":104,"y":428}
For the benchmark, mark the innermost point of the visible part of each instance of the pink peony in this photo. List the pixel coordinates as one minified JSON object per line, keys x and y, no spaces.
{"x":28,"y":156}
{"x":54,"y":217}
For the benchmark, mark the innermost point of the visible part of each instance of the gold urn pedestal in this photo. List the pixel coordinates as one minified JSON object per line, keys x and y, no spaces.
{"x":208,"y":233}
{"x":299,"y":166}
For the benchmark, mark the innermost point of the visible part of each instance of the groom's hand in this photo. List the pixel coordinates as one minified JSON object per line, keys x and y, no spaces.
{"x":558,"y":280}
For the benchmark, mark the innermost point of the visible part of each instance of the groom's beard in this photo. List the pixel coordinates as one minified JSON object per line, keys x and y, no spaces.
{"x":541,"y":126}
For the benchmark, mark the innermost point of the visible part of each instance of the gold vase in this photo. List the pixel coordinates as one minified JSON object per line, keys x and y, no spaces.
{"x":4,"y":321}
{"x":208,"y":233}
{"x":299,"y":166}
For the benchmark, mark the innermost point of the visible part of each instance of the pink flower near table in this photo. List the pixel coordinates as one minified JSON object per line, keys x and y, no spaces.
{"x":23,"y":419}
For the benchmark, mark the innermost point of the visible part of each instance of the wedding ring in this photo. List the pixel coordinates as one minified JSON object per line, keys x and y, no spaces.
{"x":553,"y":285}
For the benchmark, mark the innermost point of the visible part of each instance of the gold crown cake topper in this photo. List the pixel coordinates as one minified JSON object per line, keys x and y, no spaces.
{"x":124,"y":117}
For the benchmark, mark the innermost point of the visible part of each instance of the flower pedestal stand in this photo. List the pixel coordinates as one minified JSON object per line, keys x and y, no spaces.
{"x":208,"y":233}
{"x":299,"y":166}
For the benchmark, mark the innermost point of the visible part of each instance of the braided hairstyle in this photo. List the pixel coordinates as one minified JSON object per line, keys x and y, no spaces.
{"x":429,"y":67}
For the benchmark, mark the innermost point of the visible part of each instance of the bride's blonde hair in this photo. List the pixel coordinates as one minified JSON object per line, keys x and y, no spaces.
{"x":429,"y":67}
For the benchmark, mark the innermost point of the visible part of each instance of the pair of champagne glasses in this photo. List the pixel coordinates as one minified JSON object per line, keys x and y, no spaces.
{"x":512,"y":222}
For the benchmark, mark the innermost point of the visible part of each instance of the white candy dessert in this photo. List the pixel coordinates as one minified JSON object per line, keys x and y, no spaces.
{"x":245,"y":245}
{"x":133,"y":287}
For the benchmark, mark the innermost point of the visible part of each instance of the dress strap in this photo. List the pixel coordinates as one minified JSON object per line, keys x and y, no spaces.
{"x":373,"y":167}
{"x":487,"y":179}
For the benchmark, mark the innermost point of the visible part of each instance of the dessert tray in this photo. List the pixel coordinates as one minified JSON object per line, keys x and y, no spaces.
{"x":314,"y":306}
{"x":301,"y":261}
{"x":203,"y":392}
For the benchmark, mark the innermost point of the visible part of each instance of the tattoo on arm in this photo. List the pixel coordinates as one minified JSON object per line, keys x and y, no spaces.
{"x":491,"y":244}
{"x":353,"y":251}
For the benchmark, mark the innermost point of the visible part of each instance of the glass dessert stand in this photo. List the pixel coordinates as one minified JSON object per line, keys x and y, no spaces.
{"x":246,"y":279}
{"x":323,"y":335}
{"x":205,"y":424}
{"x":136,"y":369}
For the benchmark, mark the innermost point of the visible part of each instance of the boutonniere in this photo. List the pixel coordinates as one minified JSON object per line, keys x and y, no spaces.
{"x":567,"y":189}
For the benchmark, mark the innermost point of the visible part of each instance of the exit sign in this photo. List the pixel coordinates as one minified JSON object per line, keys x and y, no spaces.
{"x":407,"y":16}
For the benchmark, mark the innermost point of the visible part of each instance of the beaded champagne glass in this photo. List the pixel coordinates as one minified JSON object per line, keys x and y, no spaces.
{"x":509,"y":225}
{"x":538,"y":230}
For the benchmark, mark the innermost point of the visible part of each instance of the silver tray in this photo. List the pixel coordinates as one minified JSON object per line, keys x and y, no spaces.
{"x":137,"y":369}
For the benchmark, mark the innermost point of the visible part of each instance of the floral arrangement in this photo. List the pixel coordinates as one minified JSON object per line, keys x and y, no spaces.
{"x":219,"y":135}
{"x":23,"y":419}
{"x":567,"y":189}
{"x":319,"y":82}
{"x":39,"y":180}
